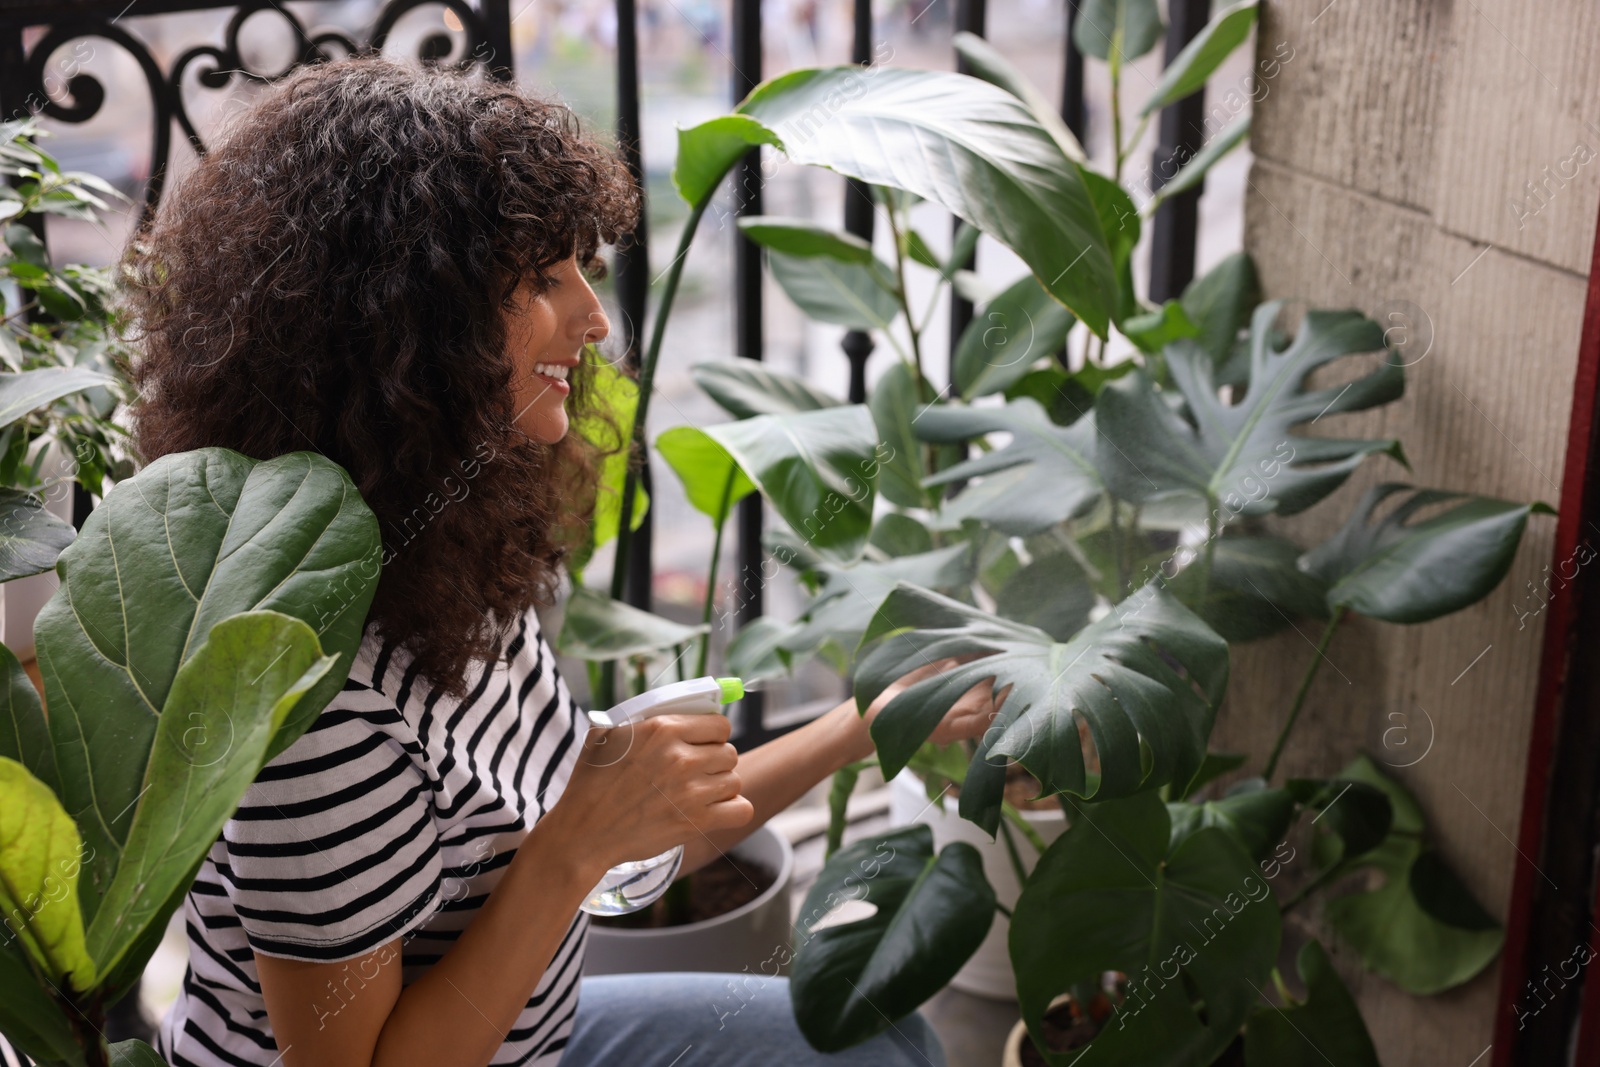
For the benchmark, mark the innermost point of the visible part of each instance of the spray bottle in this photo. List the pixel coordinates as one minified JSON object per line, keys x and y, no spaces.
{"x":637,"y":884}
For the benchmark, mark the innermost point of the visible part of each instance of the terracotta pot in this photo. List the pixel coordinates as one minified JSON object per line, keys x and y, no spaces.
{"x":988,"y":972}
{"x":754,"y":936}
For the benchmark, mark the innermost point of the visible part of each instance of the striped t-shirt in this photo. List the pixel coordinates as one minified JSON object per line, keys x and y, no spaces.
{"x":394,"y":815}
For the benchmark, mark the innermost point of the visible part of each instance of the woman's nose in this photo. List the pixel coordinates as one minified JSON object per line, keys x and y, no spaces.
{"x":597,"y":328}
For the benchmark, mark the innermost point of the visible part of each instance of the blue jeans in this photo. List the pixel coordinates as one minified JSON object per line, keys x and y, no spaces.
{"x":700,"y":1019}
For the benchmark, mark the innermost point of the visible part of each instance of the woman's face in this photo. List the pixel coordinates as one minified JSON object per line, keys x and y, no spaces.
{"x":545,"y":336}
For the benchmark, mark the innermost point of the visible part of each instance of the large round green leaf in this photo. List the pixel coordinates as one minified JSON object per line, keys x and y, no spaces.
{"x":1245,"y":456}
{"x":226,"y":704}
{"x":1045,"y":475}
{"x":31,"y":538}
{"x":1325,"y":1030}
{"x":853,"y":980}
{"x":192,"y":539}
{"x":961,"y":143}
{"x":818,"y":469}
{"x":41,"y":856}
{"x":1403,"y":571}
{"x":1190,"y":921}
{"x":1119,"y":676}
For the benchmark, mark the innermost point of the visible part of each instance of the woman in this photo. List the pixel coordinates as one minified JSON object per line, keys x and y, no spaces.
{"x":387,"y":265}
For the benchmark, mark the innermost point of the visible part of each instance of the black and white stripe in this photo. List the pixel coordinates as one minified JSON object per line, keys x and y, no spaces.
{"x":394,"y":815}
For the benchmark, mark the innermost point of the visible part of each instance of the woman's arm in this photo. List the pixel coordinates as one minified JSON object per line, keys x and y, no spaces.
{"x":779,"y":772}
{"x":630,"y":794}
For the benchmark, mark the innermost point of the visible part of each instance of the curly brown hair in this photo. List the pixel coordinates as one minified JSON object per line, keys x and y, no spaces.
{"x":333,"y":276}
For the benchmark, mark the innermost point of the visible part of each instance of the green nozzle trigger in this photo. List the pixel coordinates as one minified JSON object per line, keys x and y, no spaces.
{"x":732,"y":689}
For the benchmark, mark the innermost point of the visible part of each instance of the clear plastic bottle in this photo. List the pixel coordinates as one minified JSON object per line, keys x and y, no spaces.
{"x":639,"y":883}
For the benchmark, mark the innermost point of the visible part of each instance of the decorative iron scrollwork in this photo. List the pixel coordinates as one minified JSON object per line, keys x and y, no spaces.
{"x":218,"y":66}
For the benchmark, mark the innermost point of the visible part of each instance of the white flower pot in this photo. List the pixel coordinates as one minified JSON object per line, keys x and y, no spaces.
{"x":988,"y":972}
{"x":753,"y":937}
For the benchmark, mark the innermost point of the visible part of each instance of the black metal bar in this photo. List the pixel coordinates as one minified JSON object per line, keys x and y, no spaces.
{"x":1182,"y":131}
{"x":970,"y":16}
{"x":632,"y":266}
{"x":1073,"y":111}
{"x":499,"y":60}
{"x":858,"y":213}
{"x":748,"y":340}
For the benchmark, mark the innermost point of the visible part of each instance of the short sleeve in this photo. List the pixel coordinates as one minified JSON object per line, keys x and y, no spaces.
{"x":333,"y":851}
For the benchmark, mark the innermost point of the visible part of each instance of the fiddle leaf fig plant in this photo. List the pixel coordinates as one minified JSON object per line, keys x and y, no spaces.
{"x":209,"y":610}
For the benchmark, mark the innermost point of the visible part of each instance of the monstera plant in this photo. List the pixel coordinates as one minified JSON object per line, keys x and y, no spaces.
{"x":1088,"y":536}
{"x":209,"y":609}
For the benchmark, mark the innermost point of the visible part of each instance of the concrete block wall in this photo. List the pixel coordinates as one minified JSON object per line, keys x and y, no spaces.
{"x":1435,"y":164}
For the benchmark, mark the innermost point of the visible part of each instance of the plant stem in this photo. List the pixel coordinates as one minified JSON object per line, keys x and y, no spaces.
{"x":1114,"y":62}
{"x":711,"y":575}
{"x":1002,"y":909}
{"x":1283,"y":990}
{"x":1016,"y":818}
{"x":647,"y":377}
{"x":1011,"y":851}
{"x":1312,"y":886}
{"x":1300,"y":697}
{"x":1116,"y":549}
{"x":1211,"y":547}
{"x":904,"y":297}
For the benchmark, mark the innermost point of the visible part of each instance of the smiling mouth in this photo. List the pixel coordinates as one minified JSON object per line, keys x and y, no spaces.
{"x":554,"y":374}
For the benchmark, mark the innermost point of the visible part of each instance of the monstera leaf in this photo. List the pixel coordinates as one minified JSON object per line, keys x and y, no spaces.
{"x":1325,"y":1030}
{"x":192,"y":539}
{"x":1044,"y":476}
{"x":1421,"y":928}
{"x":1119,"y":676}
{"x":1403,"y":571}
{"x":1188,"y":919}
{"x":853,"y":980}
{"x":1222,"y":452}
{"x":225,"y":706}
{"x":968,"y":146}
{"x":31,"y":538}
{"x":745,"y":388}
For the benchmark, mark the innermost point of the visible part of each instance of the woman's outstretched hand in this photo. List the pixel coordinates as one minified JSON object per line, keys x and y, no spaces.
{"x":967,"y":718}
{"x":639,"y":789}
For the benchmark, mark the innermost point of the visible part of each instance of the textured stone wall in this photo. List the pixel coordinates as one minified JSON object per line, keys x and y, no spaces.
{"x":1436,"y":165}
